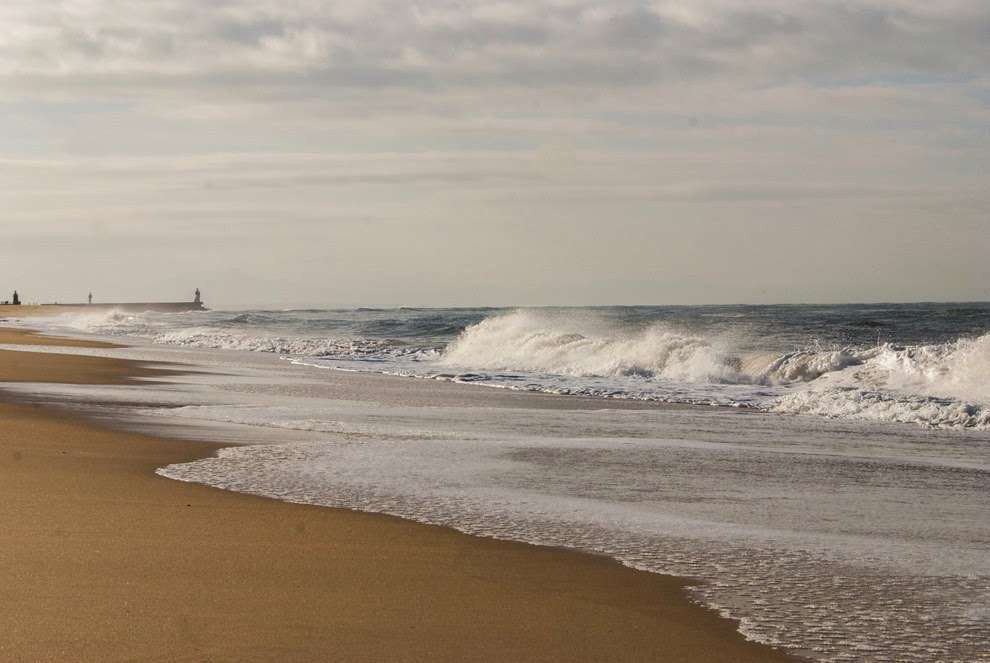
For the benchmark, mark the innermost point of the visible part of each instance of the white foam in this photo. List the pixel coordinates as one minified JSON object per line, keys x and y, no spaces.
{"x":935,"y":385}
{"x":810,"y":550}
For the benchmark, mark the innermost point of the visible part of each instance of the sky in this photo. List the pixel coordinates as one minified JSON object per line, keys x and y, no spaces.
{"x":387,"y":153}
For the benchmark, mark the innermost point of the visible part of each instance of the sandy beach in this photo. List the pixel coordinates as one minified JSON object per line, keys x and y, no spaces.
{"x":104,"y":560}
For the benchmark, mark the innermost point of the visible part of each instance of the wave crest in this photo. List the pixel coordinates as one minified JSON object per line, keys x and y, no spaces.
{"x":546,"y":342}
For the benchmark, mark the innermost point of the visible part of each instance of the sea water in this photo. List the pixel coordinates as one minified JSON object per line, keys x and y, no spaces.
{"x":838,"y":507}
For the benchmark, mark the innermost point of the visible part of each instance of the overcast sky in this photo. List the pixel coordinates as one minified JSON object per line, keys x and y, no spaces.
{"x":553,"y":152}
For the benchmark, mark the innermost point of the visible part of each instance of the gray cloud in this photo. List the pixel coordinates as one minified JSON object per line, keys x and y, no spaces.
{"x":238,"y":46}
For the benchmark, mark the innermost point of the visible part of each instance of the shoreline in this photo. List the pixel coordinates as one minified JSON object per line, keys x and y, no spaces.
{"x":109,"y":561}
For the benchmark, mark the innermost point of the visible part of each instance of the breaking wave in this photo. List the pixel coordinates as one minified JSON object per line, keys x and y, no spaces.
{"x":945,"y":385}
{"x":534,"y":341}
{"x":741,"y":358}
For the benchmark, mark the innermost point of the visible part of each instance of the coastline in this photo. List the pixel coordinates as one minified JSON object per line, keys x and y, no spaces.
{"x":109,"y":561}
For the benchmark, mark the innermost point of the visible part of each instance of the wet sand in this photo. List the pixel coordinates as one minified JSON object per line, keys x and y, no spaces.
{"x":33,"y":310}
{"x":104,"y":560}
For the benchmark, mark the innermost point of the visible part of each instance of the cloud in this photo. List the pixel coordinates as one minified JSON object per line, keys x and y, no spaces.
{"x":245,"y":48}
{"x":263,"y":75}
{"x":432,"y":132}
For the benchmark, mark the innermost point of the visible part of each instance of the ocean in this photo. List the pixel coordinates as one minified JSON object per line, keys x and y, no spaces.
{"x":823,"y":470}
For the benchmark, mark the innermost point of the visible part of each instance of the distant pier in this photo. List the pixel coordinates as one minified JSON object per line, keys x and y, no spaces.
{"x":140,"y":307}
{"x":127,"y":307}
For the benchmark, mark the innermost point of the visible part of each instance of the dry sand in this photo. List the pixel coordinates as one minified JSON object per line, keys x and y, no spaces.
{"x":105,"y":561}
